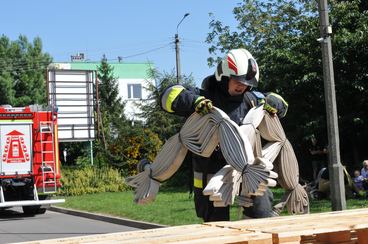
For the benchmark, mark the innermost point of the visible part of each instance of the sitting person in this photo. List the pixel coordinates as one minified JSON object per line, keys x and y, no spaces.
{"x":364,"y":174}
{"x":323,"y":184}
{"x":358,"y":180}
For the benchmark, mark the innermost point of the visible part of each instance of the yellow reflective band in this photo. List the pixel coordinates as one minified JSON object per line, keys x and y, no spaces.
{"x":199,"y":98}
{"x":279,"y":97}
{"x":174,"y":92}
{"x":198,"y":183}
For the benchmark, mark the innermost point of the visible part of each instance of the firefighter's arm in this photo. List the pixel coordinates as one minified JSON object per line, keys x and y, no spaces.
{"x":180,"y":100}
{"x":275,"y":104}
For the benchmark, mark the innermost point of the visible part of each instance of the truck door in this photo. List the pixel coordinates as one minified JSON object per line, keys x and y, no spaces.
{"x":15,"y":147}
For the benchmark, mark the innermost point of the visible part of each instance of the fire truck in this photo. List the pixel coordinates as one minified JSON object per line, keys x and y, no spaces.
{"x":29,"y":158}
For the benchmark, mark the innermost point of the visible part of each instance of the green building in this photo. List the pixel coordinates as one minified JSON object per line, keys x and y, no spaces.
{"x":131,"y":77}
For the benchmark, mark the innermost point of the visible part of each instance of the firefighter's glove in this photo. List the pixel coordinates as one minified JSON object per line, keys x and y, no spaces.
{"x":203,"y":105}
{"x":275,"y":104}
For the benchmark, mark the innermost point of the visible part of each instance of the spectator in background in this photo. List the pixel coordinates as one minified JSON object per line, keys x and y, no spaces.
{"x":364,"y":171}
{"x":358,"y":180}
{"x":364,"y":174}
{"x":318,"y":156}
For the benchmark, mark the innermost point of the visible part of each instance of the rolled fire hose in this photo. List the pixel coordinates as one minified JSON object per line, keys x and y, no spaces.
{"x":277,"y":150}
{"x":222,"y":184}
{"x":201,"y":135}
{"x":197,"y":135}
{"x":281,"y":153}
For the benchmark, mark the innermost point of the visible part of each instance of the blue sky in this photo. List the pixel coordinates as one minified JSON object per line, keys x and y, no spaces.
{"x":120,"y":28}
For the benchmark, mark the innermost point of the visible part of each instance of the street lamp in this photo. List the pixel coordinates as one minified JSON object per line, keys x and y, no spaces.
{"x":178,"y":68}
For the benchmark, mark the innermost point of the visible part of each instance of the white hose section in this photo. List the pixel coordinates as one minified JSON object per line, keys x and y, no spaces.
{"x":201,"y":135}
{"x":248,"y":162}
{"x":278,"y":148}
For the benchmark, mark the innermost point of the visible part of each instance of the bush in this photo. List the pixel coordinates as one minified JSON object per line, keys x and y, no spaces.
{"x":78,"y":181}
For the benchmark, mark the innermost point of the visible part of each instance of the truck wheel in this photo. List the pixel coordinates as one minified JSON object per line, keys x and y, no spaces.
{"x":33,"y":210}
{"x":36,"y":209}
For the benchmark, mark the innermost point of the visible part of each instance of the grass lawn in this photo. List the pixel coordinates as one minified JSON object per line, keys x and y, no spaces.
{"x":171,"y":207}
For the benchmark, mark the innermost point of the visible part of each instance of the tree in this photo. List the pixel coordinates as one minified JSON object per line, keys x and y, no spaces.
{"x":111,"y":104}
{"x":22,"y":71}
{"x":157,"y":120}
{"x":350,"y":25}
{"x":282,"y":36}
{"x":164,"y":124}
{"x":111,"y":115}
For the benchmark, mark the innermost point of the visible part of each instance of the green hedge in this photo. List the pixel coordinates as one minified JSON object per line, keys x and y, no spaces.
{"x":78,"y":181}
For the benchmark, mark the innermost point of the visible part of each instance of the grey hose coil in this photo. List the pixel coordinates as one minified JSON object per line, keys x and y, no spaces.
{"x":277,"y":150}
{"x":223,"y":183}
{"x":286,"y":165}
{"x":201,"y":135}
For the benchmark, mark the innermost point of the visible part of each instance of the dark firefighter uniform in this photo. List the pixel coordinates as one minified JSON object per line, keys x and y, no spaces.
{"x":181,"y":101}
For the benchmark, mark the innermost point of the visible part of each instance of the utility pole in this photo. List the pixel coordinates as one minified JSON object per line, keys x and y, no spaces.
{"x":177,"y":50}
{"x":336,"y":173}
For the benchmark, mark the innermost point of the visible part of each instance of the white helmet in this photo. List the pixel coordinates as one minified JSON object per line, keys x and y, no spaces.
{"x":240,"y":65}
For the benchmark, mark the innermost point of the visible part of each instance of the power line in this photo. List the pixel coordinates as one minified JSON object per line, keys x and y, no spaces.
{"x":132,"y":47}
{"x":194,"y":41}
{"x":148,"y":51}
{"x":25,"y":65}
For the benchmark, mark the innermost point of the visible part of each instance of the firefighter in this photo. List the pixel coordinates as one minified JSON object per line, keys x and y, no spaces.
{"x":229,"y":89}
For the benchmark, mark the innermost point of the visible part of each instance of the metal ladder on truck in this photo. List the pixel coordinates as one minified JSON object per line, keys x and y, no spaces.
{"x":48,"y":156}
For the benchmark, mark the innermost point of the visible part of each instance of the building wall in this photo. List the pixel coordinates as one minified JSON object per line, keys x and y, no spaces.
{"x":130,"y":76}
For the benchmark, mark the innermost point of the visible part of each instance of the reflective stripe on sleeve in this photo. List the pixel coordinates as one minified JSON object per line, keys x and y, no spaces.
{"x":279,"y":97}
{"x":285,"y":104}
{"x":169,"y":96}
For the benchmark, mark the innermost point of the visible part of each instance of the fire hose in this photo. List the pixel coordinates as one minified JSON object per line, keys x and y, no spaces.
{"x":286,"y":165}
{"x":278,"y":150}
{"x":241,"y":147}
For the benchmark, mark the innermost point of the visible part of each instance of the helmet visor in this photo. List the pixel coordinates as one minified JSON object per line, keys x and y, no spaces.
{"x":243,"y":79}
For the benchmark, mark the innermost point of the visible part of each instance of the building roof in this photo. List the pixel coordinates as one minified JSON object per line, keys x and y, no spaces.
{"x":121,"y":70}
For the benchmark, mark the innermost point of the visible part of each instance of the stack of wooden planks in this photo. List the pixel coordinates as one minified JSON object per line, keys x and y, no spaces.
{"x":350,"y":226}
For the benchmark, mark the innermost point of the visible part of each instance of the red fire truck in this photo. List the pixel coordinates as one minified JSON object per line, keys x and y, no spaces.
{"x":29,"y":166}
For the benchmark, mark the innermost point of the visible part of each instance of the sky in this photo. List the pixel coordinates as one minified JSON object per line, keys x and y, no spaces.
{"x":137,"y":30}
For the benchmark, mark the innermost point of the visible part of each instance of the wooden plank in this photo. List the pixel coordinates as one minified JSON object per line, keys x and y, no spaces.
{"x":362,"y":235}
{"x":296,"y":228}
{"x":126,"y":235}
{"x":184,"y":234}
{"x":295,"y":220}
{"x":312,"y":221}
{"x":349,"y":226}
{"x":334,"y":237}
{"x":286,"y":238}
{"x":247,"y":238}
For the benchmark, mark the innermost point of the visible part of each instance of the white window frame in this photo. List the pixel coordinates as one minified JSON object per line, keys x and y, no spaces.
{"x":130,"y":87}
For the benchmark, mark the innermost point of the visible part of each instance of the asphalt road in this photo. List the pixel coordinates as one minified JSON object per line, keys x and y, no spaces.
{"x":16,"y":227}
